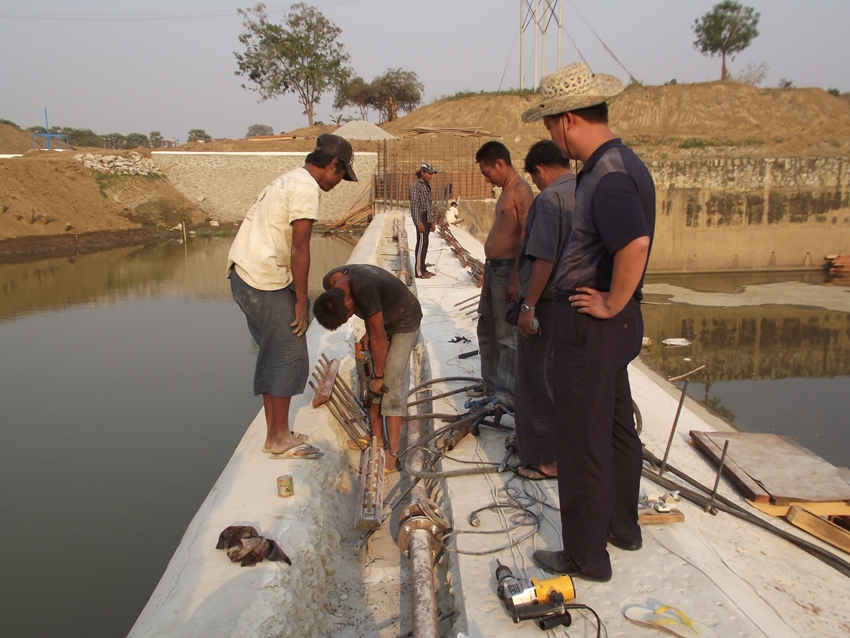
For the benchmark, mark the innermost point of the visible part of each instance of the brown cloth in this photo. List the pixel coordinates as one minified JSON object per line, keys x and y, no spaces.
{"x":244,"y":545}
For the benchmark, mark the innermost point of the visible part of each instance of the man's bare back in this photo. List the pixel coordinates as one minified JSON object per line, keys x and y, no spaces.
{"x":505,"y":236}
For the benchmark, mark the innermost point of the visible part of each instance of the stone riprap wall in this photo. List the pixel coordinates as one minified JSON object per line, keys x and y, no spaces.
{"x":226,"y":184}
{"x":736,"y":214}
{"x":133,"y":164}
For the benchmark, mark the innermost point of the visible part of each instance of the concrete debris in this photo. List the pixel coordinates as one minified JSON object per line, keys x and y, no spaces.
{"x":135,"y":164}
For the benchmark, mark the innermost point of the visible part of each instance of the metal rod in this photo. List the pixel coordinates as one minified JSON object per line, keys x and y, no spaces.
{"x":673,"y":429}
{"x":710,"y":504}
{"x":425,"y":622}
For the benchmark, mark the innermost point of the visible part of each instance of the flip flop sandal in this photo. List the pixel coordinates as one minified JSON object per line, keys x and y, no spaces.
{"x":293,"y":453}
{"x":297,"y":435}
{"x":532,"y":468}
{"x":668,"y":619}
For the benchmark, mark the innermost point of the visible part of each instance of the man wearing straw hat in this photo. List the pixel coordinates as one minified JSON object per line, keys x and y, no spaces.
{"x":598,"y":324}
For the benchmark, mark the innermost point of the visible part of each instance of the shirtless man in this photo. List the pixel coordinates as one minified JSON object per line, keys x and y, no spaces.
{"x":496,"y":337}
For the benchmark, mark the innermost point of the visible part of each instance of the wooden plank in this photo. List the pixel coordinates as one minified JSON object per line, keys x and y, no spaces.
{"x":823,"y":529}
{"x":821,"y":508}
{"x":740,"y":479}
{"x":651,"y":517}
{"x":783,"y":468}
{"x":324,"y":391}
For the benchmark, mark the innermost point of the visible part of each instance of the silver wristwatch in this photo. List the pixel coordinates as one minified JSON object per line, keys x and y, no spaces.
{"x":526,"y":308}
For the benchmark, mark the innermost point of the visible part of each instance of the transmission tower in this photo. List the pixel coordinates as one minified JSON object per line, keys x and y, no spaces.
{"x":540,"y":16}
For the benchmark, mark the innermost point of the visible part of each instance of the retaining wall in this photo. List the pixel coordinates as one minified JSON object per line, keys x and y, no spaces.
{"x":226,"y":184}
{"x":736,"y":214}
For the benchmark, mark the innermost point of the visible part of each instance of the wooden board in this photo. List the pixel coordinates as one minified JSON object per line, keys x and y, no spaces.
{"x":823,"y":529}
{"x":651,"y":517}
{"x":323,"y":393}
{"x":739,"y":478}
{"x":779,"y":466}
{"x":821,"y":508}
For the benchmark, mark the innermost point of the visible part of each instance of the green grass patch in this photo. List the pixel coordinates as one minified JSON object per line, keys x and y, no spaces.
{"x":107,"y":180}
{"x":220,"y":232}
{"x":694,"y":143}
{"x":462,"y":94}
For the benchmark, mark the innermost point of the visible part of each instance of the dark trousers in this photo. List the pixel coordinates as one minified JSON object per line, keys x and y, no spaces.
{"x":599,"y":452}
{"x":421,"y":248}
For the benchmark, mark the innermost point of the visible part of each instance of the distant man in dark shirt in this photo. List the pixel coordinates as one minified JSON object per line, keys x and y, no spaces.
{"x":599,"y":327}
{"x":422,"y":213}
{"x":392,"y":315}
{"x":547,"y":229}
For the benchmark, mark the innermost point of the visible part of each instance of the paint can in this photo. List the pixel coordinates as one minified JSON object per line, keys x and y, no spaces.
{"x":284,"y":486}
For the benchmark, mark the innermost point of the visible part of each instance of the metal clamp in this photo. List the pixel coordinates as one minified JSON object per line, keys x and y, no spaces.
{"x":422,"y":513}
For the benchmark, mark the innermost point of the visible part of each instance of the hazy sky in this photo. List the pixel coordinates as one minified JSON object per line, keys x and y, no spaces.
{"x":168,"y":65}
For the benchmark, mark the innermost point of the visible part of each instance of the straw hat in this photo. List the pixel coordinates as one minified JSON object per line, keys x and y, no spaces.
{"x":570,"y":88}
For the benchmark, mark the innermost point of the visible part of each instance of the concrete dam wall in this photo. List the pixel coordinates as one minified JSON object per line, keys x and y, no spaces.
{"x":736,"y":214}
{"x":226,"y":184}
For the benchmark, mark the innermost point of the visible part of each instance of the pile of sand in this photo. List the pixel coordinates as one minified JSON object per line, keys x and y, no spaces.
{"x":14,"y":140}
{"x":362,"y":130}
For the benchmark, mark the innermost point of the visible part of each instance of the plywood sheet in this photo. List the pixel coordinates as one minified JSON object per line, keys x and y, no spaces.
{"x":783,"y":468}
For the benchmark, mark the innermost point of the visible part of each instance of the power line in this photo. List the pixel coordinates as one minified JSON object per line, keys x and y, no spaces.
{"x":148,"y":17}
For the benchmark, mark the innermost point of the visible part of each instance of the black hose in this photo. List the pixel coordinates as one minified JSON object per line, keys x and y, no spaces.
{"x":440,"y":380}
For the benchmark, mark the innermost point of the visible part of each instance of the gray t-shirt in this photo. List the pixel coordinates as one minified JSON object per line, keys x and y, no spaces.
{"x":547,"y":229}
{"x":374,"y":289}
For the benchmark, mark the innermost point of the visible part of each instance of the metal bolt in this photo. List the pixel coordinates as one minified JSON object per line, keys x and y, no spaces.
{"x":407,"y":529}
{"x":433,"y":529}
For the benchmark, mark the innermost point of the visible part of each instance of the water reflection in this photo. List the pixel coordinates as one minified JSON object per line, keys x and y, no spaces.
{"x":125,"y":386}
{"x":774,"y":367}
{"x":139,"y":272}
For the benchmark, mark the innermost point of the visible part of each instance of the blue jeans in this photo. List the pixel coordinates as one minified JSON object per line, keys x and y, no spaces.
{"x":496,"y":337}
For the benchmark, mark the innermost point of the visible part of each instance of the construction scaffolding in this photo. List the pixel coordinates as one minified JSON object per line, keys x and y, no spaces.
{"x":453,"y":157}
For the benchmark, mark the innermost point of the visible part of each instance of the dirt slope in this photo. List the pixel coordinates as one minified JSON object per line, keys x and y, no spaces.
{"x":43,"y":192}
{"x":711,"y":119}
{"x":14,"y":140}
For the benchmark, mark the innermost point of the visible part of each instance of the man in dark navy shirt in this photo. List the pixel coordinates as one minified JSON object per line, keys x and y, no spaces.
{"x":598,"y":325}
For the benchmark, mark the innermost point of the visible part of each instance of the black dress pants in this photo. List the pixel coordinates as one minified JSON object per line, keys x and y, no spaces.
{"x":599,"y":452}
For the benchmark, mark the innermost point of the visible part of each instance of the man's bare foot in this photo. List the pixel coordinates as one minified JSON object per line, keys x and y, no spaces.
{"x":538,"y":472}
{"x":283,"y":443}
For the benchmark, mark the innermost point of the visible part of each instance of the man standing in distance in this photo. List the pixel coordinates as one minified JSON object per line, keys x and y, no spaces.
{"x":422,"y":212}
{"x":496,"y":337}
{"x":547,"y":229}
{"x":268,"y":266}
{"x":598,"y":322}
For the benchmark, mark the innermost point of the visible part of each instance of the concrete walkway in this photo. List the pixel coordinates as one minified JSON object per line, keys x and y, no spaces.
{"x":737,"y":579}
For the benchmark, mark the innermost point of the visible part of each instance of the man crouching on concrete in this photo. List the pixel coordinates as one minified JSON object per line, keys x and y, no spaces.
{"x":268,"y":266}
{"x":392,"y":315}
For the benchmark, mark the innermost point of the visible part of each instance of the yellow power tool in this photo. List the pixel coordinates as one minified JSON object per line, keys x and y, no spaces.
{"x":542,"y":600}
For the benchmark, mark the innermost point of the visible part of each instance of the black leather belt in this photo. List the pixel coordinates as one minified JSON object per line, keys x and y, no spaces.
{"x":495,"y":263}
{"x":562,"y":295}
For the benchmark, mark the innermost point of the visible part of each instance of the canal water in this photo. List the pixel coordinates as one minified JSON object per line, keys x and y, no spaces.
{"x":125,"y":386}
{"x":776,"y":350}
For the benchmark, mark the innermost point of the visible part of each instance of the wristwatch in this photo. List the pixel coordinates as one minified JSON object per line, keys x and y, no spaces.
{"x":526,"y":308}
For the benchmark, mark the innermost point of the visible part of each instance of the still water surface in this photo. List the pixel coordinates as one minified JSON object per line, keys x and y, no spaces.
{"x":776,"y":349}
{"x":125,"y":385}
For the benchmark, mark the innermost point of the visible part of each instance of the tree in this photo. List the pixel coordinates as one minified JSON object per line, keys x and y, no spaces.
{"x":259,"y":129}
{"x":355,"y":92}
{"x":135,"y":140}
{"x":198,"y":135}
{"x":113,"y":140}
{"x":155,"y":139}
{"x":727,"y":29}
{"x":396,"y":90}
{"x":301,"y":55}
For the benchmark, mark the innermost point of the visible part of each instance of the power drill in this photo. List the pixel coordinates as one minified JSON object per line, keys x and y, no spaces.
{"x":544,"y":600}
